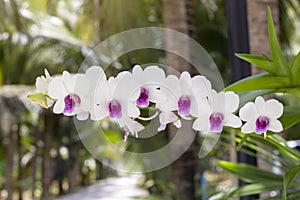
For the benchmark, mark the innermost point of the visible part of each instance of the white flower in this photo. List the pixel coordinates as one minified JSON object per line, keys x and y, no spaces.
{"x":220,"y":113}
{"x":148,"y":82}
{"x":71,"y":92}
{"x":42,"y":84}
{"x":185,"y":95}
{"x":113,"y":98}
{"x":261,"y":116}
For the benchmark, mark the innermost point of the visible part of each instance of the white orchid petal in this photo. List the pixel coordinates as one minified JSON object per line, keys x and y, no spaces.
{"x":154,"y":74}
{"x":177,"y":123}
{"x":167,"y":117}
{"x":248,"y":127}
{"x":82,"y":116}
{"x":275,"y":125}
{"x":47,"y":74}
{"x":248,"y":112}
{"x":56,"y":89}
{"x":68,"y":81}
{"x":232,"y":121}
{"x":231,"y":102}
{"x":82,"y":85}
{"x":274,"y":109}
{"x":201,"y":86}
{"x":133,"y":111}
{"x":137,"y":72}
{"x":157,"y":96}
{"x":201,"y":123}
{"x":41,"y":84}
{"x":99,"y":112}
{"x":260,"y":105}
{"x":59,"y":106}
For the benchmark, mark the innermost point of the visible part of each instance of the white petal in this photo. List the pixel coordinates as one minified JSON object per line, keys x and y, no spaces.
{"x":99,"y":112}
{"x":232,"y":120}
{"x":201,"y":123}
{"x":274,"y":109}
{"x":200,"y":106}
{"x":248,"y":112}
{"x":85,"y":104}
{"x":249,"y":127}
{"x":172,"y":86}
{"x":177,"y":123}
{"x":47,"y":74}
{"x":133,"y":111}
{"x":95,"y":74}
{"x":82,"y":85}
{"x":68,"y":81}
{"x":201,"y":86}
{"x":260,"y":105}
{"x":56,"y":89}
{"x":137,"y":72}
{"x":102,"y":93}
{"x":275,"y":125}
{"x":167,"y":117}
{"x":83,"y":116}
{"x":231,"y":102}
{"x":154,"y":74}
{"x":59,"y":106}
{"x":186,"y":77}
{"x":218,"y":101}
{"x":157,"y":96}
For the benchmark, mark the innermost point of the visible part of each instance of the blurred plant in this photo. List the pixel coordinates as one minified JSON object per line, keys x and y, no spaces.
{"x":280,"y":78}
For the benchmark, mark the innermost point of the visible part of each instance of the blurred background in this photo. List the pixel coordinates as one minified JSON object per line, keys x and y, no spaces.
{"x":41,"y":155}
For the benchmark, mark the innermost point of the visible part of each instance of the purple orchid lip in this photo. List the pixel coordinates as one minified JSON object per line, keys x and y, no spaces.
{"x":143,"y":99}
{"x":184,"y":105}
{"x":262,"y":124}
{"x":115,"y":109}
{"x":216,"y":121}
{"x":71,"y":101}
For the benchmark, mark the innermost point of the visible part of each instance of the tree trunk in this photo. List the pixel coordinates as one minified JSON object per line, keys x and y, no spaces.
{"x":9,"y":165}
{"x":259,"y":44}
{"x":50,"y":126}
{"x":34,"y":159}
{"x":258,"y":26}
{"x":20,"y":170}
{"x":177,"y":15}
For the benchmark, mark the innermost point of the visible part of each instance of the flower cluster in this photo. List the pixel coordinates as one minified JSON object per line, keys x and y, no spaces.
{"x":93,"y":95}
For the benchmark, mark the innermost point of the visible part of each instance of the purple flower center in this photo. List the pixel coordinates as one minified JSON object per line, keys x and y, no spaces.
{"x":115,"y":109}
{"x":216,"y":121}
{"x":262,"y":124}
{"x":184,"y":105}
{"x":143,"y":99}
{"x":71,"y":101}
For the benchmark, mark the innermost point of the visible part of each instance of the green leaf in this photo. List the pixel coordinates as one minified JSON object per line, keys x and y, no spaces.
{"x":291,"y":116}
{"x":293,"y":91}
{"x":259,"y":82}
{"x":39,"y":98}
{"x":249,"y":173}
{"x":288,"y":153}
{"x":245,"y":97}
{"x":259,"y":61}
{"x":277,"y":55}
{"x":295,"y":70}
{"x":255,"y":188}
{"x":288,"y":178}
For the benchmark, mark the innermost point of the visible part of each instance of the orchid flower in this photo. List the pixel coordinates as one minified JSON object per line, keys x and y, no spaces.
{"x":261,"y":116}
{"x":71,"y":92}
{"x":113,"y":98}
{"x":220,"y":113}
{"x":42,"y":84}
{"x":148,"y":80}
{"x":181,"y":97}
